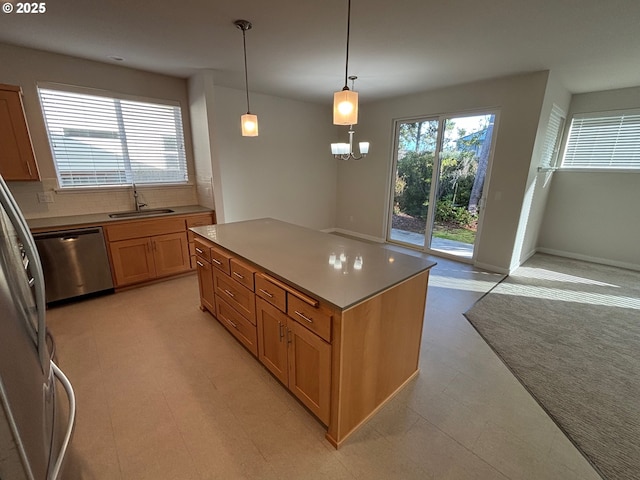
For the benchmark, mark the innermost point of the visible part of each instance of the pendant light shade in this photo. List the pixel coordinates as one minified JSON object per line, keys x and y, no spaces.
{"x":249,"y":125}
{"x":345,"y":102}
{"x":345,"y":107}
{"x":248,"y":120}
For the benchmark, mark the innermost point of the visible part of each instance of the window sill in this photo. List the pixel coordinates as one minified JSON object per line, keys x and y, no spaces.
{"x":119,"y":188}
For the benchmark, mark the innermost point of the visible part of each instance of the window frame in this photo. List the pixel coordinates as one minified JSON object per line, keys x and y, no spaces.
{"x":593,"y":169}
{"x":113,"y":95}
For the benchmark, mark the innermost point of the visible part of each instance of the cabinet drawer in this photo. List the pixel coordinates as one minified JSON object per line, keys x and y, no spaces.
{"x":239,"y":297}
{"x":243,"y":330}
{"x":145,"y":228}
{"x":243,"y":273}
{"x":202,"y":250}
{"x":221,"y":260}
{"x":198,"y":221}
{"x":314,"y":318}
{"x":272,"y":293}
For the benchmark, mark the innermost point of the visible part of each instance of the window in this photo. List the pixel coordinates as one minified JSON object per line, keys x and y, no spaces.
{"x":604,"y":141}
{"x":552,"y":138}
{"x":100,"y":140}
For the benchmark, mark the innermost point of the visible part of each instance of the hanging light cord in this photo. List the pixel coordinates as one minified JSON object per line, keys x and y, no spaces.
{"x":246,"y":75}
{"x":346,"y":67}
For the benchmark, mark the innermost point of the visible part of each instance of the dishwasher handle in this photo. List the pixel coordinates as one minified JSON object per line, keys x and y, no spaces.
{"x":68,"y":234}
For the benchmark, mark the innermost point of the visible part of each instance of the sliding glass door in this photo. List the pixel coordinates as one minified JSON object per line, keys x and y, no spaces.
{"x":440,"y":167}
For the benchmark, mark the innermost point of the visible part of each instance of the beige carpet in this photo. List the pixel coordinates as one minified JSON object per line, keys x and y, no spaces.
{"x":570,"y":332}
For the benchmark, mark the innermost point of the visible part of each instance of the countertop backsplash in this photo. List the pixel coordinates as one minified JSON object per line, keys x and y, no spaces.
{"x":31,"y":195}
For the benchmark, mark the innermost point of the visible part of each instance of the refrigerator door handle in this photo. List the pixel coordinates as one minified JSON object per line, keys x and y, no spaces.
{"x":20,"y":224}
{"x":57,"y":466}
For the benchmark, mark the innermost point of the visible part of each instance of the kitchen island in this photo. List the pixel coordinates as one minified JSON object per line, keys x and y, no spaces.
{"x":337,"y":321}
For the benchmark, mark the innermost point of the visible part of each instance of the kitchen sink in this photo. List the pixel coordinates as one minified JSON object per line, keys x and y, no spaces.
{"x":141,"y":213}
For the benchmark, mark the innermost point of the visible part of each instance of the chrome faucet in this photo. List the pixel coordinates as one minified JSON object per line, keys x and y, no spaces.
{"x":139,"y":205}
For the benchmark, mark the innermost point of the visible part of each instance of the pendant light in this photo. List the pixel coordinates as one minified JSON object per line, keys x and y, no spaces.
{"x":344,"y":151}
{"x":249,"y":121}
{"x":345,"y":102}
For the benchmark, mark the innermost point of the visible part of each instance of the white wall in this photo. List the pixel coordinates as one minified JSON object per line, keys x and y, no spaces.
{"x":538,"y":183}
{"x":25,"y":67}
{"x":287,"y":172}
{"x":594,"y":215}
{"x":201,"y":112}
{"x":363,"y":187}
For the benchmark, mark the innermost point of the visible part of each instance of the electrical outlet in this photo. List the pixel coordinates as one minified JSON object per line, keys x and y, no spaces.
{"x":45,"y":197}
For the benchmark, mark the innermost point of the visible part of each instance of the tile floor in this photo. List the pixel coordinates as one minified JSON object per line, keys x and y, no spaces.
{"x":164,"y":392}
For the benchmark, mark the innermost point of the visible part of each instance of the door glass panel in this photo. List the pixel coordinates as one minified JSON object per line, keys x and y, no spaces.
{"x":415,"y":152}
{"x":463,"y":160}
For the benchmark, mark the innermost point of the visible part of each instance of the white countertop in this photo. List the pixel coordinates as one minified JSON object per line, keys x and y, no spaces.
{"x":72,"y":221}
{"x":301,"y":257}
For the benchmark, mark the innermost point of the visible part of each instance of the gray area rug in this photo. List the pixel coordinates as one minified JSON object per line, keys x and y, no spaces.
{"x":570,"y":332}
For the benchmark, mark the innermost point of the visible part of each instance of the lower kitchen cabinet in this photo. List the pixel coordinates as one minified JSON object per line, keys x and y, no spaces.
{"x":297,"y":357}
{"x":170,"y":254}
{"x":144,"y":250}
{"x":205,"y":282}
{"x":132,"y":261}
{"x":141,"y":259}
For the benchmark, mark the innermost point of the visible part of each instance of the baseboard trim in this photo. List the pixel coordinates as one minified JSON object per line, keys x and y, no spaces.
{"x":589,"y":258}
{"x":492,"y":268}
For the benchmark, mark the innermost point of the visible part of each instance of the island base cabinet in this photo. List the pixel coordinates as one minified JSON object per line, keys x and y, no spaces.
{"x":309,"y":359}
{"x":297,"y":357}
{"x":205,"y":282}
{"x":239,"y":326}
{"x":272,"y":346}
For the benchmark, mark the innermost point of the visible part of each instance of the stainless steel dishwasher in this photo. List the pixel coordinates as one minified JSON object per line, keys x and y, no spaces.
{"x":75,"y":263}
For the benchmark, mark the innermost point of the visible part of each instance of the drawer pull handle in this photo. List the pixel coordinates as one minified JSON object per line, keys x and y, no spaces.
{"x":270,"y":295}
{"x":238,"y":275}
{"x":288,"y":335}
{"x":310,"y":320}
{"x":216,"y":261}
{"x":198,"y":250}
{"x":200,"y":264}
{"x":232,"y":324}
{"x":229,"y":293}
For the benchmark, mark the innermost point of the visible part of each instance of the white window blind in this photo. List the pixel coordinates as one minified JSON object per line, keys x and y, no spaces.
{"x":605,"y":141}
{"x":99,"y":140}
{"x":552,"y":138}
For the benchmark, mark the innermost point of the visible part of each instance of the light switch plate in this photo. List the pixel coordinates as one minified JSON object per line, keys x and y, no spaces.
{"x":45,"y":197}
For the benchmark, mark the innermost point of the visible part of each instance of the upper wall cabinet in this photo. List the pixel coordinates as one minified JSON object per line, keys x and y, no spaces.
{"x":17,"y":161}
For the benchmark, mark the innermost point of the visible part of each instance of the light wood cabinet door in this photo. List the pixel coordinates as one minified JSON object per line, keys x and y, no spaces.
{"x":309,"y":360}
{"x":132,"y":261}
{"x":205,"y":282}
{"x":297,"y":357}
{"x":17,"y":161}
{"x":170,"y":253}
{"x":272,"y":343}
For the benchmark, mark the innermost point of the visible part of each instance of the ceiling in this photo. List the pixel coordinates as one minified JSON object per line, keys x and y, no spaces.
{"x":296,"y":48}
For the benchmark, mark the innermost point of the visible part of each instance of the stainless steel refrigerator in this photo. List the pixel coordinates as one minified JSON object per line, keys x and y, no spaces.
{"x":37,"y":403}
